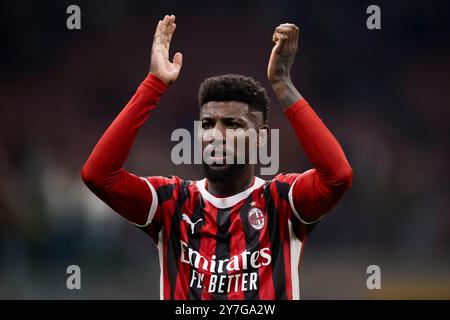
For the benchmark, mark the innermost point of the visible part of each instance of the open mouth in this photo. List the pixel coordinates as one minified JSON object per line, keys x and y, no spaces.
{"x":217,"y":156}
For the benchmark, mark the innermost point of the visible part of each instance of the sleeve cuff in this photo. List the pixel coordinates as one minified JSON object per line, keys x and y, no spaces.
{"x":153,"y":82}
{"x":296,"y":106}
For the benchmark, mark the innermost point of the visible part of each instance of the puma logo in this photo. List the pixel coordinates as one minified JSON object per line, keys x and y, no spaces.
{"x":188,"y":220}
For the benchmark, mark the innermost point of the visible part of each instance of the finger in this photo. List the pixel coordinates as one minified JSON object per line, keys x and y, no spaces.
{"x":178,"y":60}
{"x":283,"y":33}
{"x":274,"y":37}
{"x":289,"y":30}
{"x":280,"y":40}
{"x":291,"y":40}
{"x":297,"y":35}
{"x":157,"y":38}
{"x":170,"y":30}
{"x":283,"y":29}
{"x":170,"y":21}
{"x":277,"y":35}
{"x":164,"y":24}
{"x":280,"y":36}
{"x":288,"y":25}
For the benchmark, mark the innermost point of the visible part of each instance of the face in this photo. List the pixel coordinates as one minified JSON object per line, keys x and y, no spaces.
{"x":216,"y":117}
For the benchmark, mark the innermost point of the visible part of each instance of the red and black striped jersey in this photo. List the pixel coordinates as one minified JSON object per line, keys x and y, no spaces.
{"x":247,"y":246}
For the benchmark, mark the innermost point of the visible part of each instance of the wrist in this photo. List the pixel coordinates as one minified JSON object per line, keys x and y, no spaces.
{"x":280,"y":84}
{"x":156,"y":83}
{"x":286,"y":92}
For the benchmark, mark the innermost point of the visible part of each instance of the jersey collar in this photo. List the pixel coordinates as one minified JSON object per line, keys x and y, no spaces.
{"x":223,"y":203}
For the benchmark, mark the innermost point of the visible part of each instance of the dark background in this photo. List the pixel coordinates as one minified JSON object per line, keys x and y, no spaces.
{"x":383,"y":93}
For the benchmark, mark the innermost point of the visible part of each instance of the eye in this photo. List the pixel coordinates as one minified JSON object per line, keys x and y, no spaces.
{"x":233,"y":124}
{"x":206,"y":125}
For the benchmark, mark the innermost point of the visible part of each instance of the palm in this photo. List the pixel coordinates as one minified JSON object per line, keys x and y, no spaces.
{"x":160,"y":64}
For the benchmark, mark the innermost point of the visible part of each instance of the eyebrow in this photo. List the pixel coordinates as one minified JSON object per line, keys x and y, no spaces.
{"x":208,"y":118}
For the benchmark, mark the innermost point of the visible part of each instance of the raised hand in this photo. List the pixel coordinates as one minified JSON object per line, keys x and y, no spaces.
{"x":280,"y":63}
{"x":283,"y":53}
{"x":160,"y":64}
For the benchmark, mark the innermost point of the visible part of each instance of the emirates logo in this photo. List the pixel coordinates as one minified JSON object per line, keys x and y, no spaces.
{"x":256,"y":218}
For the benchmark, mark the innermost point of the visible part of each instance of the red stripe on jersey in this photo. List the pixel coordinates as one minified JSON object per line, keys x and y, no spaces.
{"x":237,"y":246}
{"x":266,"y":287}
{"x":283,"y":210}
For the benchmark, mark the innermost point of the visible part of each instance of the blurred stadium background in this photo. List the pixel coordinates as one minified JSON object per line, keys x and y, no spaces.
{"x":385,"y":95}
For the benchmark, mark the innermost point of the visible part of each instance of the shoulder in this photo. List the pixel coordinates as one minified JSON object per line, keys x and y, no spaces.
{"x":287,"y":178}
{"x":164,"y":181}
{"x":281,"y":184}
{"x":282,"y":180}
{"x":169,"y":187}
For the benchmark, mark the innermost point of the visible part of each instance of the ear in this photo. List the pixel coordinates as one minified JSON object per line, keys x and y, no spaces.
{"x":263,"y":135}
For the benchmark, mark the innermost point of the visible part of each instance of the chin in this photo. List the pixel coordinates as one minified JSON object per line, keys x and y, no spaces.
{"x":223,"y":172}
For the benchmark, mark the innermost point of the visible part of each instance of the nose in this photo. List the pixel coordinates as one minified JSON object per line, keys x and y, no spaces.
{"x":215,"y":134}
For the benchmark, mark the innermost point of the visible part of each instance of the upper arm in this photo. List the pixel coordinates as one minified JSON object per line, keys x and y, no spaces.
{"x":308,"y":196}
{"x":311,"y":197}
{"x":140,"y":200}
{"x":127,"y":194}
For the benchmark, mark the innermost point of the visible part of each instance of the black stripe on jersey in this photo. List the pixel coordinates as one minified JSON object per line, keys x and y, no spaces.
{"x":278,"y":269}
{"x":223,"y":238}
{"x":297,"y":226}
{"x":194,"y":241}
{"x":165,"y":192}
{"x":283,"y":190}
{"x":173,"y":245}
{"x":310,"y":227}
{"x":251,"y":244}
{"x":152,"y":230}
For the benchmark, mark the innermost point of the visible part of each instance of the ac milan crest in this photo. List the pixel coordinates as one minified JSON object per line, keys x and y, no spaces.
{"x":256,"y":218}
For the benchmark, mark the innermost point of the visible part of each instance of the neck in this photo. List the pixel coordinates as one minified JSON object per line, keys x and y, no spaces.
{"x":233,"y":186}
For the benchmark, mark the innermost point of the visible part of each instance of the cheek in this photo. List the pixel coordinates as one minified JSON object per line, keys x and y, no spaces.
{"x":206,"y":135}
{"x":202,"y":138}
{"x":238,"y":137}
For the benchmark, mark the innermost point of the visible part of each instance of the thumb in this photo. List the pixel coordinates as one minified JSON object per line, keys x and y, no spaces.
{"x":279,"y":42}
{"x":178,"y":60}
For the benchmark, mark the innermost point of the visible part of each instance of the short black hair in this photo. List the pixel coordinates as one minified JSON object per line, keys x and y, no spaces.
{"x":234,"y":87}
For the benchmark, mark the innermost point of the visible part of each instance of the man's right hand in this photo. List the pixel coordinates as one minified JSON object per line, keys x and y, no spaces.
{"x":160,"y":65}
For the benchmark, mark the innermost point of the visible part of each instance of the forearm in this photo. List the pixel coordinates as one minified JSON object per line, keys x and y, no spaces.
{"x":111,"y":151}
{"x":318,"y":190}
{"x":320,"y":146}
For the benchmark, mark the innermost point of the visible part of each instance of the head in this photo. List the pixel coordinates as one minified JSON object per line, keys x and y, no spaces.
{"x":237,"y":103}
